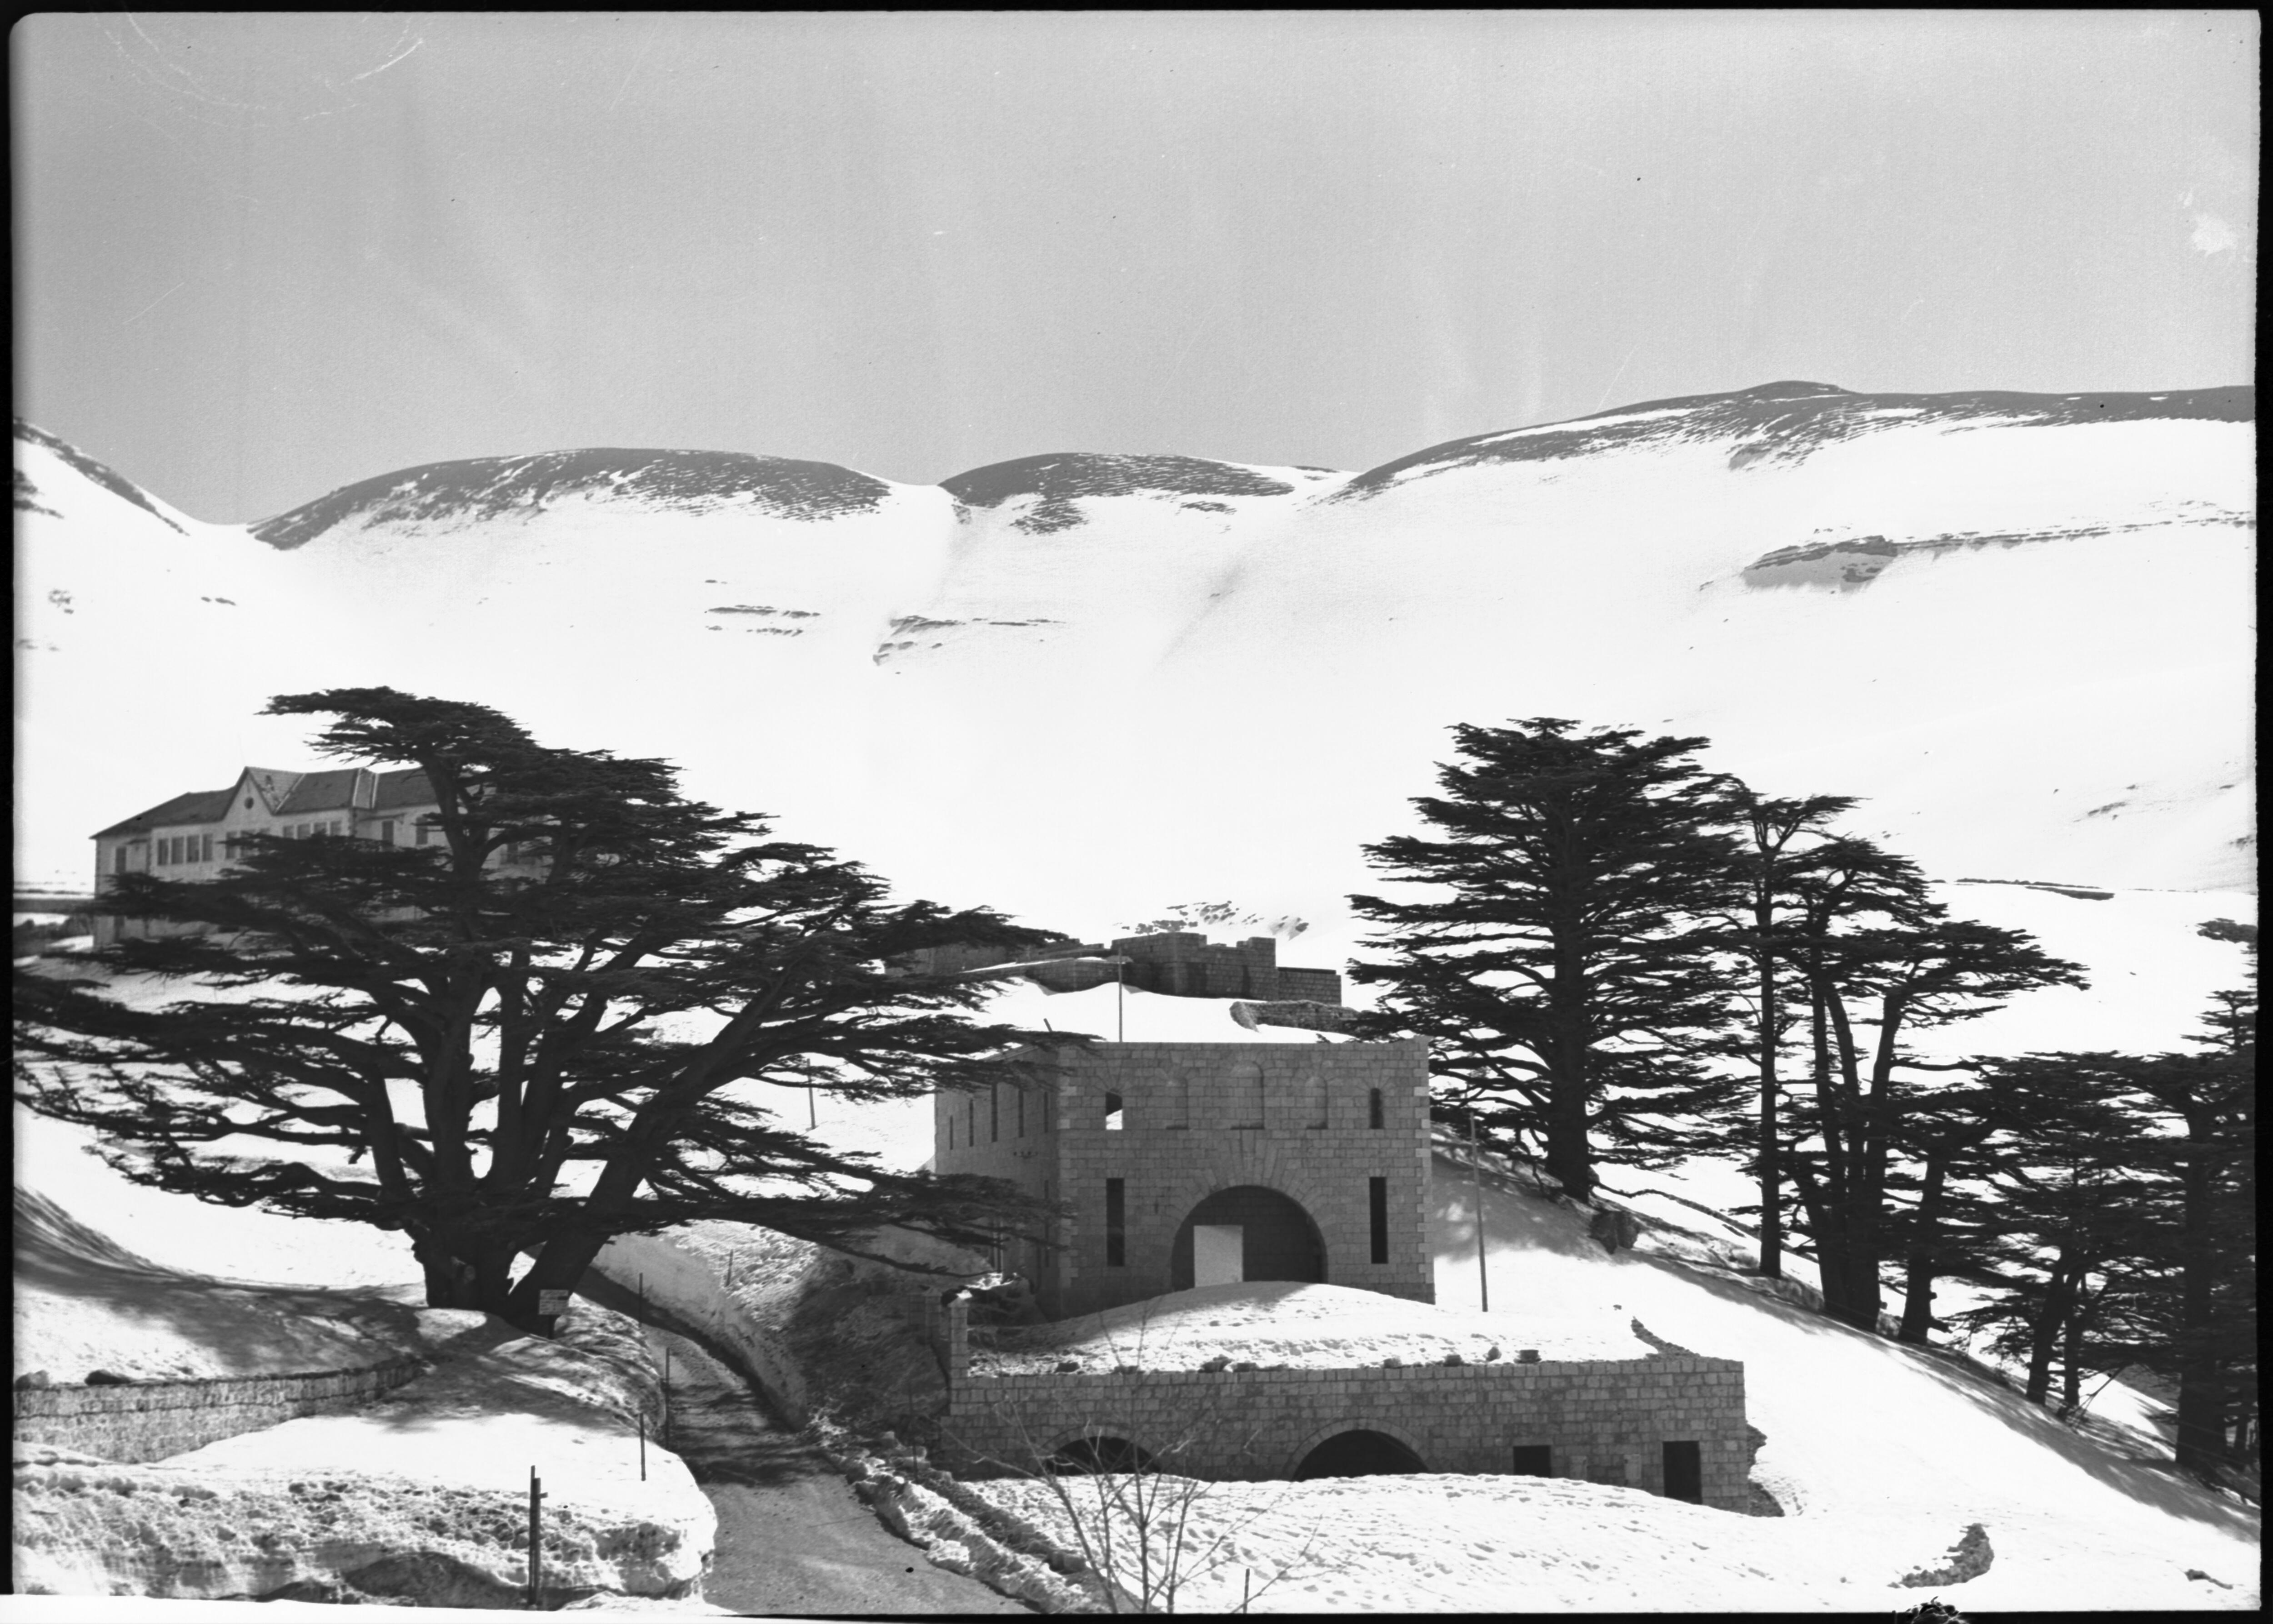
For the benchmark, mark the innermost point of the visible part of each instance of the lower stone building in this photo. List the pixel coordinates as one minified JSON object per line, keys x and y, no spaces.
{"x":1672,"y":1424}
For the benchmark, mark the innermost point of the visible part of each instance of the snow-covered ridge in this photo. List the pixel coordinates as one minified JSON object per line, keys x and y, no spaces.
{"x":460,"y":492}
{"x":1786,"y":421}
{"x":1057,"y":479}
{"x":31,"y":498}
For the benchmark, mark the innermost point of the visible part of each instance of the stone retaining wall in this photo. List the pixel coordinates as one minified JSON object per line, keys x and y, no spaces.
{"x":1604,"y":1421}
{"x":150,"y":1420}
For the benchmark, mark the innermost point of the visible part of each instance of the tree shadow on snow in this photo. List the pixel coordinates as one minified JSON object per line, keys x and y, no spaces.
{"x":1520,"y":1217}
{"x":241,"y":1328}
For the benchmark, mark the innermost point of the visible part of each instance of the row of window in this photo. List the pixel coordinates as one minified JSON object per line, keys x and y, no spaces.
{"x":172,"y":851}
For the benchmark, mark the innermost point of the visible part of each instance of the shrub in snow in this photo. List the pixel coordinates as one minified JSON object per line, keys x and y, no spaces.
{"x":1968,"y":1559}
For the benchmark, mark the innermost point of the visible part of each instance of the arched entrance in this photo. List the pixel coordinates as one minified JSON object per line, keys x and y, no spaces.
{"x":1271,"y":1235}
{"x":1358,"y":1454}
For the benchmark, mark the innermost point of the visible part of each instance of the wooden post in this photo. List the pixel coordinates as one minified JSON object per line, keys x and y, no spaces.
{"x":536,"y":1538}
{"x":667,"y":1395}
{"x":643,"y":1432}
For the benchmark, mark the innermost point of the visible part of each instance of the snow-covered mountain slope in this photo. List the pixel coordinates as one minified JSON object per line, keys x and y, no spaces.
{"x":1081,"y":686}
{"x":145,"y":641}
{"x":1043,"y":544}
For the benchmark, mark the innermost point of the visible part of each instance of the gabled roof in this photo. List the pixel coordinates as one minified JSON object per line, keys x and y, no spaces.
{"x":406,"y":787}
{"x":333,"y":790}
{"x":200,"y":806}
{"x":275,"y":786}
{"x":285,"y":795}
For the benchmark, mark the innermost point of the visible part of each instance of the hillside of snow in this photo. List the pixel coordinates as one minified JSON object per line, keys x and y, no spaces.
{"x":1878,"y":1457}
{"x":2021,"y":627}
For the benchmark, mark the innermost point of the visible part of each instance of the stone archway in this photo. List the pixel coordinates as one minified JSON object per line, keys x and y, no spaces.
{"x":1278,"y":1238}
{"x":1360,"y":1452}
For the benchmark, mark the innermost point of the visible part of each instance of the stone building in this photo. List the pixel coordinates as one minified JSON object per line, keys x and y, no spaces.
{"x":1197,"y":1164}
{"x":1672,"y":1424}
{"x":1206,"y":1163}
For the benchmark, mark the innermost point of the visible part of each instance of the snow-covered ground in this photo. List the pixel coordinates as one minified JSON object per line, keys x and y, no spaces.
{"x":1284,"y":1323}
{"x":1879,"y":1456}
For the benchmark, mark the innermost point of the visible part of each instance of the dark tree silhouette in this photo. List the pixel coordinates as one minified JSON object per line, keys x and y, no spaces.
{"x":1564,"y":958}
{"x":1777,"y":836}
{"x":1876,"y":951}
{"x":2064,"y":1202}
{"x":532,"y":1056}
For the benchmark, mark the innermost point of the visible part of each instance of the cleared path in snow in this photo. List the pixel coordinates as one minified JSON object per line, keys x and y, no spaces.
{"x":792,"y":1539}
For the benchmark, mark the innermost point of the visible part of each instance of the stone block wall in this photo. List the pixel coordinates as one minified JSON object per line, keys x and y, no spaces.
{"x":1312,"y":986}
{"x":1178,"y":963}
{"x":151,"y":1420}
{"x":1015,"y":1131}
{"x":1604,"y":1421}
{"x":1202,"y":1118}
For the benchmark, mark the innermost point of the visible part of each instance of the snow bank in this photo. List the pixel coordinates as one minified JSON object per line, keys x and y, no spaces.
{"x":1872,"y":1446}
{"x":169,"y":1610}
{"x":1305,"y":1326}
{"x":84,"y":1303}
{"x":420,"y":1494}
{"x":680,"y":1292}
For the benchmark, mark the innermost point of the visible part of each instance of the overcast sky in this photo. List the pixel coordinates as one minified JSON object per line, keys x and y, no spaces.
{"x":258,"y":256}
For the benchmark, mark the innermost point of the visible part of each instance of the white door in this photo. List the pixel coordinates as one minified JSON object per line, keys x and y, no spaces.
{"x":1219,"y":1254}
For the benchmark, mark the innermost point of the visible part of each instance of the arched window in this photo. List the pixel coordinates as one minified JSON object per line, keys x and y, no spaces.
{"x":1243,"y":1095}
{"x":1310,"y":1095}
{"x":1176,"y":1100}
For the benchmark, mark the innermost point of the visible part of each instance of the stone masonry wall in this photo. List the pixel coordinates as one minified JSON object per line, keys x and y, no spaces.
{"x":1169,"y":1166}
{"x":151,"y":1420}
{"x":1603,"y":1421}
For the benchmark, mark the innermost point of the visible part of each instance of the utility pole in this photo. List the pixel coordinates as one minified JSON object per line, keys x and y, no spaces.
{"x":1476,"y":1167}
{"x":1120,"y":999}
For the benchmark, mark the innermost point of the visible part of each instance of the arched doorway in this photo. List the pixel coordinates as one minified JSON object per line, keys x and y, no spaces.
{"x":1358,"y":1454}
{"x":1274,"y":1240}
